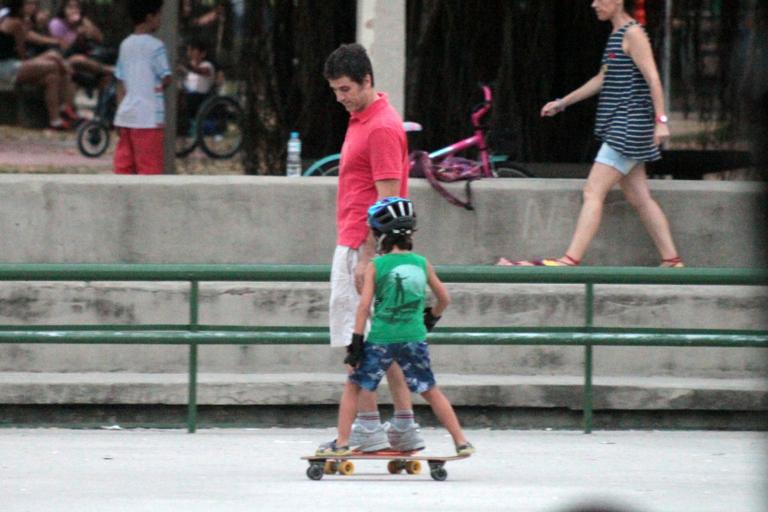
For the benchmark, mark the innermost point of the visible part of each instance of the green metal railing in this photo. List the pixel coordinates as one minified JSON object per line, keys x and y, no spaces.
{"x":193,"y":334}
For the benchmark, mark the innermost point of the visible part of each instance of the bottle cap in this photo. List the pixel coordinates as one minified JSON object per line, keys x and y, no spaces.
{"x":294,"y":135}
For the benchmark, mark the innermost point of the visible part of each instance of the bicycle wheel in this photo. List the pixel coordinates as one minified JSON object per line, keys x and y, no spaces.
{"x":511,"y":170}
{"x":93,"y":138}
{"x":329,"y":169}
{"x":220,"y":127}
{"x":326,"y":166}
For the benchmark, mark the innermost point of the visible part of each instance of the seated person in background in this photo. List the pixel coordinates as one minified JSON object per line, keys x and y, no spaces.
{"x":199,"y":76}
{"x":38,"y":39}
{"x":47,"y":70}
{"x":78,"y":36}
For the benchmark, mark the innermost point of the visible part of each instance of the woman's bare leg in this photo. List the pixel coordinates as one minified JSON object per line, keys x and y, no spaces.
{"x":46,"y":73}
{"x":601,"y":180}
{"x":638,"y":194}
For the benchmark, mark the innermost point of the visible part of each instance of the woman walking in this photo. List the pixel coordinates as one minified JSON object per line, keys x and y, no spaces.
{"x":632,"y":124}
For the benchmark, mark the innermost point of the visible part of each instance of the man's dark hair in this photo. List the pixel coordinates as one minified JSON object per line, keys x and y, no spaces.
{"x":138,"y":10}
{"x":349,"y":60}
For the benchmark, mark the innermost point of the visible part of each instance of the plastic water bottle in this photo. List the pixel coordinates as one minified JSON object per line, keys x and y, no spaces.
{"x":293,"y":164}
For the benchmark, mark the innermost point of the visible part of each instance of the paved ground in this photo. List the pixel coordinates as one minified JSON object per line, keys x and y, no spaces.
{"x":259,"y":470}
{"x":49,"y":152}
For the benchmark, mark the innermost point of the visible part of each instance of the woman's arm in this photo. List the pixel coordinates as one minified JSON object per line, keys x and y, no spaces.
{"x":589,"y":89}
{"x":19,"y":35}
{"x":40,"y":39}
{"x":91,"y":31}
{"x":638,"y":47}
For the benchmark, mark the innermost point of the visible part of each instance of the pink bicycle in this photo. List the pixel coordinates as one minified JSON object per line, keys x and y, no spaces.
{"x":491,"y":165}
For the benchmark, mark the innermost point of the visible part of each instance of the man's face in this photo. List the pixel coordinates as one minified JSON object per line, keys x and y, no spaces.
{"x":354,"y":96}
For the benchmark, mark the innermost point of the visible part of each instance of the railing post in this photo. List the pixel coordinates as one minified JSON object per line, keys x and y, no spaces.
{"x":589,"y":305}
{"x":192,"y":393}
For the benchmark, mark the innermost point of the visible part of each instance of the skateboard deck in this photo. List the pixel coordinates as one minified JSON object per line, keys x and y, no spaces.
{"x":410,"y":462}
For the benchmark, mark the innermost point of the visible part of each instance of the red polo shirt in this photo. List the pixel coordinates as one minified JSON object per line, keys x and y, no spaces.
{"x":375,"y":148}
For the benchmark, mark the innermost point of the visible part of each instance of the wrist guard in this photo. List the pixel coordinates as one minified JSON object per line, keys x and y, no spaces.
{"x":355,"y":350}
{"x":429,"y":319}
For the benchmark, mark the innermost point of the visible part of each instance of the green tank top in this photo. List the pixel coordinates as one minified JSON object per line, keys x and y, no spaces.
{"x":401,"y":287}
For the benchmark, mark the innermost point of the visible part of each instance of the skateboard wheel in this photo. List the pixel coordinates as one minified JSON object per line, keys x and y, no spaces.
{"x":413,"y":467}
{"x":315,"y":471}
{"x":439,"y":474}
{"x":330,"y":467}
{"x":346,"y":468}
{"x":394,"y":467}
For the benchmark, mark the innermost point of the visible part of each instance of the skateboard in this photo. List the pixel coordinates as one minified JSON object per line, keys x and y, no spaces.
{"x":409,"y":462}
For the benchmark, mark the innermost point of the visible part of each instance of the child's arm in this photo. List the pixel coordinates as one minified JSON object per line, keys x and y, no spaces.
{"x":355,"y":349}
{"x":120,"y":91}
{"x":439,"y":290}
{"x":433,"y":313}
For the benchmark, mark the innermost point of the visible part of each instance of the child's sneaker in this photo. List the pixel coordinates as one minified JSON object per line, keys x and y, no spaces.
{"x":333,"y":449}
{"x":368,"y":440}
{"x":465,"y":449}
{"x":408,"y":440}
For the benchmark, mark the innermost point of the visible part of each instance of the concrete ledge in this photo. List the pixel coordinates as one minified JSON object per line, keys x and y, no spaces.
{"x":248,"y":219}
{"x":325,"y":389}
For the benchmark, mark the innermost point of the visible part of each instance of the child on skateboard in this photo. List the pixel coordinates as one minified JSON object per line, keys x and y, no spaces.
{"x":397,"y":281}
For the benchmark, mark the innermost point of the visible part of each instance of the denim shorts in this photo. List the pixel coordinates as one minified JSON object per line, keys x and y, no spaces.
{"x":9,"y":68}
{"x":609,"y":156}
{"x":413,"y":358}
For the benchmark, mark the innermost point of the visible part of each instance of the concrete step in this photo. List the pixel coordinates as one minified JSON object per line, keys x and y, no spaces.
{"x":539,"y":391}
{"x":717,"y":307}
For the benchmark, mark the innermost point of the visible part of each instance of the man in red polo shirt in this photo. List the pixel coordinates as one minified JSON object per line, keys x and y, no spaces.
{"x":374,"y":165}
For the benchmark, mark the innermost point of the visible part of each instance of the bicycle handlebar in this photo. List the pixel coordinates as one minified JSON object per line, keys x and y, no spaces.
{"x":480,"y":110}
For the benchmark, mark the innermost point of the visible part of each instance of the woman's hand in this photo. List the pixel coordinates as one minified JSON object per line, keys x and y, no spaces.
{"x":552,"y":108}
{"x":660,"y":134}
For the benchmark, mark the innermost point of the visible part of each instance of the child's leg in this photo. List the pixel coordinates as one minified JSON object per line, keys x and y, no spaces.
{"x":347,"y":411}
{"x":123,"y":160}
{"x":149,"y":154}
{"x":445,"y":413}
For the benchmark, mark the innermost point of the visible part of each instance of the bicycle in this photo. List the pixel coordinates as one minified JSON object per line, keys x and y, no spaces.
{"x":93,"y":135}
{"x":492,"y":165}
{"x":217,"y":127}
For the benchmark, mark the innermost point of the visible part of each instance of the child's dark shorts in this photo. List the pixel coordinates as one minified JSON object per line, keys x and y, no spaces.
{"x":413,"y":358}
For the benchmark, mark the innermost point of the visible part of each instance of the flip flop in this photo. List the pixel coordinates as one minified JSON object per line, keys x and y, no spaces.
{"x":676,"y":262}
{"x":545,"y":262}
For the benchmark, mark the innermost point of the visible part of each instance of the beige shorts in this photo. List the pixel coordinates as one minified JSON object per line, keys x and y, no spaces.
{"x":344,"y":297}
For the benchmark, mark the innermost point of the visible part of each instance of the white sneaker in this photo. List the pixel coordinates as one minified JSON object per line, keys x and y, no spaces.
{"x":408,"y":440}
{"x":368,"y":440}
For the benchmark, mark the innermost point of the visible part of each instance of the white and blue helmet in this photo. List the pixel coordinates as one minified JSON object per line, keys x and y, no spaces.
{"x":392,"y":215}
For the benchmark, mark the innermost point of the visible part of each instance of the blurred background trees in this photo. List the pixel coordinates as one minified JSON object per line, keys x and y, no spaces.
{"x":529,"y":51}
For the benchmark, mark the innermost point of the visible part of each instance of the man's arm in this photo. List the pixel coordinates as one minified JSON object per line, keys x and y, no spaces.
{"x":384,"y":188}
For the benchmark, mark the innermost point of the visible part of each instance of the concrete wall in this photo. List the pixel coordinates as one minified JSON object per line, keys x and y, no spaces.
{"x":238,"y":219}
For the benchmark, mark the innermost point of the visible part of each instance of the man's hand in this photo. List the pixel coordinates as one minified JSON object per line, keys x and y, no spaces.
{"x":355,"y":351}
{"x":429,"y":319}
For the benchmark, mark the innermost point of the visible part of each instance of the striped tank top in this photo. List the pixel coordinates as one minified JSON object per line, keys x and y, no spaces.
{"x":625,"y":116}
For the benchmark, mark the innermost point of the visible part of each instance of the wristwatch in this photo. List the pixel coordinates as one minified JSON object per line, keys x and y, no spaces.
{"x":662,"y":118}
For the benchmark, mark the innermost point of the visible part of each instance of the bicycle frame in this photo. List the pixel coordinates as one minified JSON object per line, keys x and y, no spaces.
{"x":477,"y":140}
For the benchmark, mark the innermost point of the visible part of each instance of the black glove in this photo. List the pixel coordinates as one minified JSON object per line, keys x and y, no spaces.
{"x":354,"y":351}
{"x":429,"y":319}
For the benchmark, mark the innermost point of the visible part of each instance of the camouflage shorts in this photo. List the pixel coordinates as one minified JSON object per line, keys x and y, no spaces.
{"x":413,"y":359}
